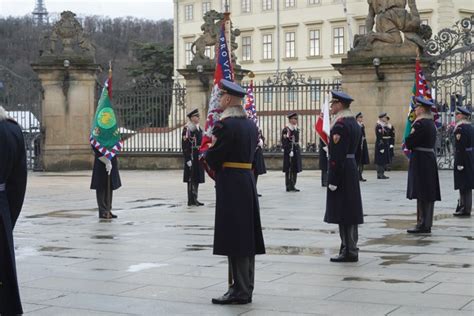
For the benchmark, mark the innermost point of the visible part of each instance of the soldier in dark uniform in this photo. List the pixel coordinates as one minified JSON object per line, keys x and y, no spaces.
{"x":423,"y":181}
{"x":193,"y":173}
{"x":362,"y":153}
{"x":343,"y":201}
{"x":323,"y":162}
{"x":382,"y":154}
{"x":258,"y":164}
{"x":292,"y":165}
{"x":464,"y":161}
{"x":12,"y":192}
{"x":390,"y":130}
{"x":238,"y":231}
{"x":105,"y":179}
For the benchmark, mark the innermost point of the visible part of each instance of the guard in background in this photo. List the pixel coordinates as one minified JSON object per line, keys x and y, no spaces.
{"x":382,"y":154}
{"x":423,"y":181}
{"x":390,"y":130}
{"x":238,"y":231}
{"x":323,"y":162}
{"x":193,"y":173}
{"x":464,"y":161}
{"x":12,"y":192}
{"x":362,"y":153}
{"x":343,"y":201}
{"x":258,"y":164}
{"x":105,"y":180}
{"x":292,"y":165}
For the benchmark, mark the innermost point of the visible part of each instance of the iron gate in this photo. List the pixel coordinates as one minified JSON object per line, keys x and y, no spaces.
{"x":450,"y":54}
{"x":22,"y":97}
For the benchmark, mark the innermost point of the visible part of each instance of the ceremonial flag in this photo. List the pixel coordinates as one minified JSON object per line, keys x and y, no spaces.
{"x":105,"y":135}
{"x":323,"y":125}
{"x":224,"y":70}
{"x":420,"y":88}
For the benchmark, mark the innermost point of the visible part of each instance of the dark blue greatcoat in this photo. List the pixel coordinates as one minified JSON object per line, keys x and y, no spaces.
{"x":464,"y":156}
{"x":344,"y":205}
{"x":290,"y":141}
{"x":13,"y":175}
{"x":258,"y":164}
{"x":99,"y":174}
{"x":237,"y":230}
{"x":423,"y":181}
{"x":362,"y":153}
{"x":191,"y":141}
{"x":323,"y":156}
{"x":381,"y":144}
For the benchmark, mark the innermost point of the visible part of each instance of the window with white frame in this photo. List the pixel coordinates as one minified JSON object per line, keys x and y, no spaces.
{"x":246,"y":6}
{"x":188,"y":12}
{"x":338,"y":40}
{"x":362,"y":29}
{"x":314,"y":43}
{"x":425,"y":22}
{"x":188,"y":55}
{"x":246,"y":48}
{"x":267,"y":5}
{"x":290,"y":45}
{"x":312,"y":2}
{"x":267,"y":46}
{"x":209,"y":52}
{"x":206,"y":7}
{"x":225,"y":5}
{"x":290,"y":3}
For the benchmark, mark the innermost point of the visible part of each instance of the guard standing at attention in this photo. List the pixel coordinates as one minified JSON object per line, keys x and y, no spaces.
{"x":12,"y":192}
{"x":423,"y":181}
{"x":343,"y":200}
{"x":238,"y":231}
{"x":382,"y":154}
{"x":464,"y":161}
{"x":292,"y":165}
{"x":362,"y":153}
{"x":193,"y":173}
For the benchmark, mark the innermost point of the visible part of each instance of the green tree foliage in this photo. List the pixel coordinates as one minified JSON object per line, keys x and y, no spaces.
{"x":155,"y":61}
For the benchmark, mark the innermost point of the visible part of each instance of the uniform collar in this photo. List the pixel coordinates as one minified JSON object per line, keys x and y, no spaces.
{"x":342,"y":114}
{"x":461,"y":122}
{"x":3,"y":114}
{"x":381,"y":123}
{"x":234,"y":111}
{"x":192,"y":127}
{"x":292,"y":127}
{"x":428,"y":116}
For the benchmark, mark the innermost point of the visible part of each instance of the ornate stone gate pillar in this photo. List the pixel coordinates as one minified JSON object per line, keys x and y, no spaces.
{"x":67,"y":72}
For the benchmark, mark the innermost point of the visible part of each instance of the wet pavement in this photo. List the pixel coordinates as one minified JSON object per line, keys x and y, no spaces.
{"x":156,"y":258}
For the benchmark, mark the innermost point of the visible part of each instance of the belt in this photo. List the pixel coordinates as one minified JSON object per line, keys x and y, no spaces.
{"x":237,"y":165}
{"x":350,"y":156}
{"x":386,"y":137}
{"x":425,"y":149}
{"x":2,"y":187}
{"x":469,"y":148}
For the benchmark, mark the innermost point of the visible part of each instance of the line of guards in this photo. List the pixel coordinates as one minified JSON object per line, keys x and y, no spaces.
{"x":236,"y":141}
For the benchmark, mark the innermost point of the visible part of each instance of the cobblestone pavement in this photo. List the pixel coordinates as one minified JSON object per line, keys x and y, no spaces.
{"x":156,"y":258}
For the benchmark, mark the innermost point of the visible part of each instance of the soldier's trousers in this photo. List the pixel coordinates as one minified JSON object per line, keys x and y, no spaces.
{"x":103,"y":200}
{"x":192,"y":193}
{"x":243,"y":276}
{"x":349,"y":236}
{"x":290,"y":180}
{"x":380,"y":170}
{"x":465,"y":201}
{"x":324,"y":178}
{"x":424,"y":212}
{"x":361,"y":170}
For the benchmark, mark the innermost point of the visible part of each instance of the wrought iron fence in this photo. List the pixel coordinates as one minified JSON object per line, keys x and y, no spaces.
{"x":151,"y":115}
{"x":22,"y":97}
{"x":287,"y":92}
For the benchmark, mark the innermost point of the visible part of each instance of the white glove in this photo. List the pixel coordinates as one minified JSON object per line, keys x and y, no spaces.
{"x":189,"y":163}
{"x":292,"y":153}
{"x":460,"y":168}
{"x":391,"y":146}
{"x":260,"y":143}
{"x":325,"y":148}
{"x":382,"y":151}
{"x":332,"y":187}
{"x":108,"y":166}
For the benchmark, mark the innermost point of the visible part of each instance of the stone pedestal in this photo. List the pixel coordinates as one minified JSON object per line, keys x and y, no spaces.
{"x":67,"y":111}
{"x":373,"y":96}
{"x":199,"y":85}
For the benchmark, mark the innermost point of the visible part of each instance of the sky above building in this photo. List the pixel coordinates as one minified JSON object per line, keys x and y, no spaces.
{"x":147,"y":9}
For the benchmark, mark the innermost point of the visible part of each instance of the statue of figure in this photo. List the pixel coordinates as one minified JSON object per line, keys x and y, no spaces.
{"x":210,"y":37}
{"x":391,"y":18}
